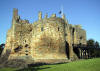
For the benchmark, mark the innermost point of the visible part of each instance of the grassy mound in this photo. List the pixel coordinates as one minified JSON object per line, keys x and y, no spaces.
{"x":81,"y":65}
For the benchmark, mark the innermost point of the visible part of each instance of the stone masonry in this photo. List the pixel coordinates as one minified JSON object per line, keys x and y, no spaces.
{"x":44,"y":39}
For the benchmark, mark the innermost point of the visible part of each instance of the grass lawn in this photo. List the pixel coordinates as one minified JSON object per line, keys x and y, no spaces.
{"x":81,"y":65}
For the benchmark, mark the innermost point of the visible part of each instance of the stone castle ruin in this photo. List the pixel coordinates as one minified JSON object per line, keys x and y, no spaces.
{"x":46,"y":39}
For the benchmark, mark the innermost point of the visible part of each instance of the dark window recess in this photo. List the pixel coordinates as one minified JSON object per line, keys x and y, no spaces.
{"x":80,"y":37}
{"x":26,"y":54}
{"x":26,"y":45}
{"x":18,"y":48}
{"x":26,"y":51}
{"x":80,"y":43}
{"x":30,"y":30}
{"x":25,"y":40}
{"x":58,"y":28}
{"x":73,"y":30}
{"x":17,"y":20}
{"x":41,"y":28}
{"x":65,"y":34}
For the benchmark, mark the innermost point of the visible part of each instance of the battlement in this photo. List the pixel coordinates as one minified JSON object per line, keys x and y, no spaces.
{"x":18,"y":20}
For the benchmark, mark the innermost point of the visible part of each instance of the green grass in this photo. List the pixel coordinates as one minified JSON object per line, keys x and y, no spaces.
{"x":8,"y":69}
{"x":81,"y":65}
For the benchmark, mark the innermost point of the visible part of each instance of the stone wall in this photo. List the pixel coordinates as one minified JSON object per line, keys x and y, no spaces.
{"x":44,"y":39}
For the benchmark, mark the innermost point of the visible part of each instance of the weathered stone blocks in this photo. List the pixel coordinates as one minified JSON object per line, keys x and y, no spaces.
{"x":43,"y":40}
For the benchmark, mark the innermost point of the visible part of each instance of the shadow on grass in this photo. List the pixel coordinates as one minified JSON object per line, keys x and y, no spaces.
{"x":34,"y":67}
{"x":59,"y":63}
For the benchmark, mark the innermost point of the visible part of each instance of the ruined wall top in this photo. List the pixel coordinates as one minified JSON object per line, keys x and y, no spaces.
{"x":17,"y":18}
{"x":15,"y":13}
{"x":53,"y":17}
{"x":40,"y":15}
{"x":78,"y":26}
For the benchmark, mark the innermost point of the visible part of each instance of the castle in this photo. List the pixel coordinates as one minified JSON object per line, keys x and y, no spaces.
{"x":47,"y":38}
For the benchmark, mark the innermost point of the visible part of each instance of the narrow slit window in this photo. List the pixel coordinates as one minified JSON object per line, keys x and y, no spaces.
{"x":41,"y":28}
{"x":58,"y":28}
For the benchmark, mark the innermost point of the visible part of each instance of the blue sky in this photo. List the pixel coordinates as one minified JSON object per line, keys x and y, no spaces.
{"x":84,"y":12}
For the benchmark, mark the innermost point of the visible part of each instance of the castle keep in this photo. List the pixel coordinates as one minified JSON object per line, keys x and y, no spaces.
{"x":47,"y":38}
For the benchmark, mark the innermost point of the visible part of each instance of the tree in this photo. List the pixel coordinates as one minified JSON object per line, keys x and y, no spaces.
{"x":1,"y":48}
{"x":94,"y":50}
{"x":90,"y":43}
{"x":97,"y":44}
